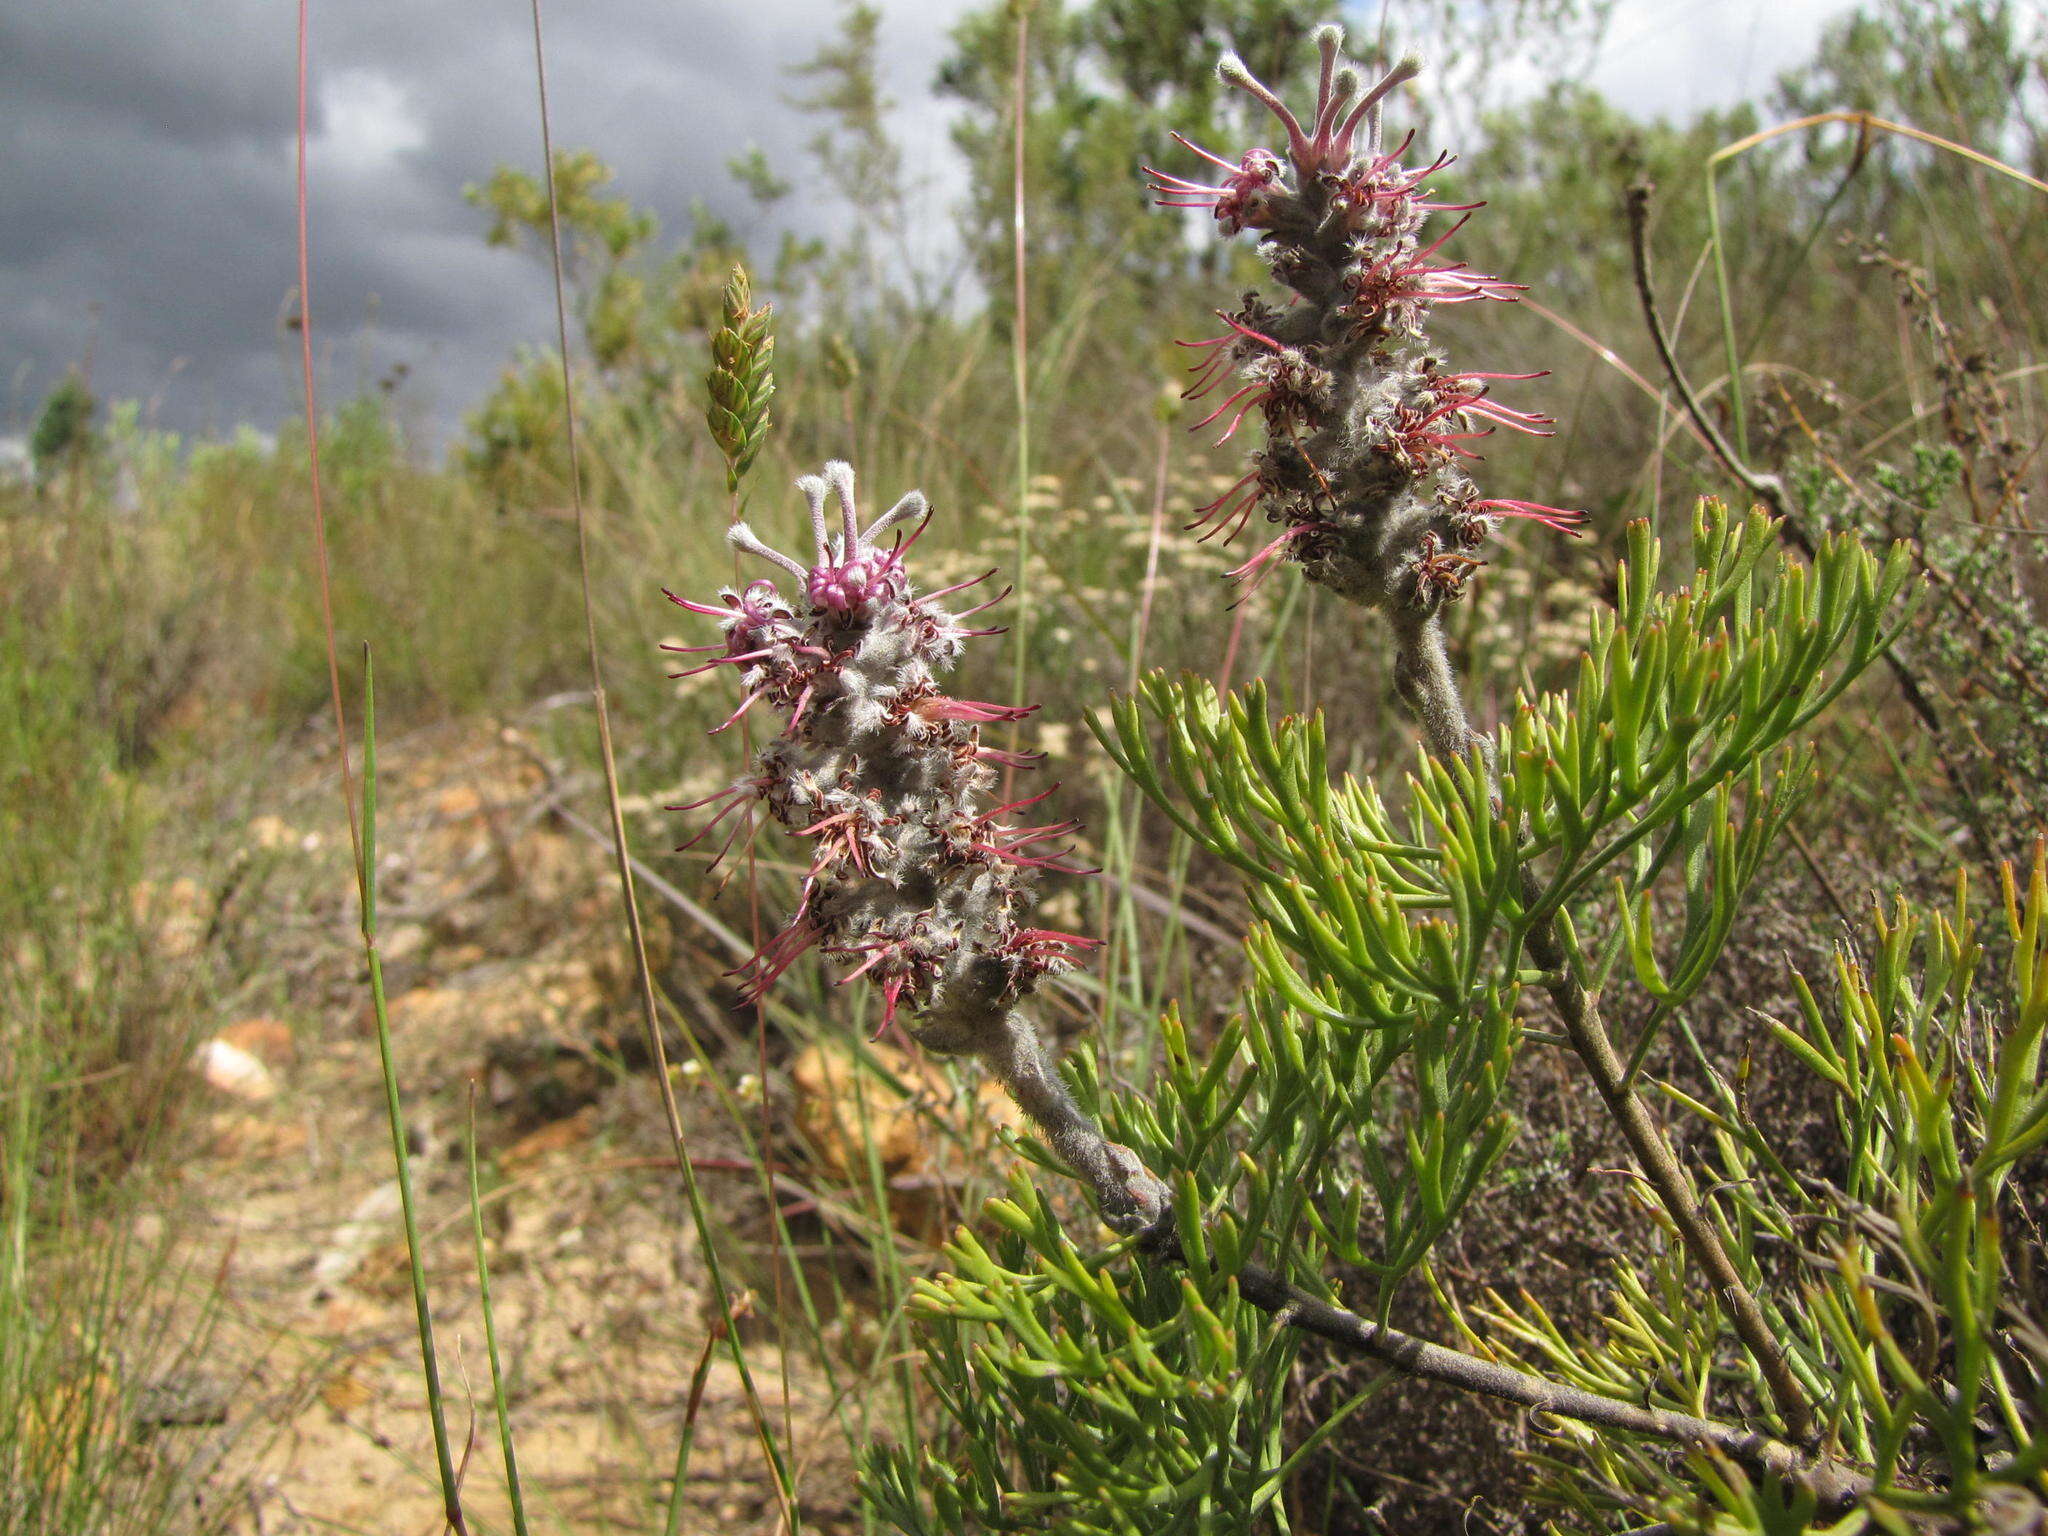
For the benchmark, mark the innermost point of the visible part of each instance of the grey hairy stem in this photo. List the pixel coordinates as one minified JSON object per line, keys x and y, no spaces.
{"x":1127,"y":1195}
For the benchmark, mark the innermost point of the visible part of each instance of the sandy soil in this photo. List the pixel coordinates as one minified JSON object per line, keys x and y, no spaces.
{"x":505,"y":971}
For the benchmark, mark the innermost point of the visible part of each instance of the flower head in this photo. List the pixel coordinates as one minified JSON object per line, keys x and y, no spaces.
{"x":1367,"y":436}
{"x":913,"y":884}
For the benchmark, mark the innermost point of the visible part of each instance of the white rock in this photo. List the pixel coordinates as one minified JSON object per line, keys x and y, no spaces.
{"x":233,"y":1071}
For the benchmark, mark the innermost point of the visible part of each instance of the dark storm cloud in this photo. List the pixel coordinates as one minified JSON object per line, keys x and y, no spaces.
{"x":146,"y":192}
{"x":146,"y":167}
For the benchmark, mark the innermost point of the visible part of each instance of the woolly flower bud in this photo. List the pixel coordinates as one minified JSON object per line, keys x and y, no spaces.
{"x":741,"y":379}
{"x":1366,"y":434}
{"x":914,"y":881}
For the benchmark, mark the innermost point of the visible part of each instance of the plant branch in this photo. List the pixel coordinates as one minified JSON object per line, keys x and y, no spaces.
{"x":1767,"y":488}
{"x":1835,"y":1486}
{"x":1427,"y":665}
{"x":1590,"y":1042}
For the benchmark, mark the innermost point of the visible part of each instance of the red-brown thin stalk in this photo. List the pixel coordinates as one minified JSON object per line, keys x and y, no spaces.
{"x":348,"y":792}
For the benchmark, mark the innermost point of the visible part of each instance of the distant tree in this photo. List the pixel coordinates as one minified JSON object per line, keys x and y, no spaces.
{"x":1103,"y":83}
{"x":64,"y":438}
{"x":634,"y":307}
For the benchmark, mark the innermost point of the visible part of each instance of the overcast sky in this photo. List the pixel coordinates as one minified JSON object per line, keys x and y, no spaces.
{"x":146,"y":179}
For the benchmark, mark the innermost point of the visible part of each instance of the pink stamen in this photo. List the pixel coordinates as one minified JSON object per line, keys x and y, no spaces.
{"x":959,"y":586}
{"x":734,"y":718}
{"x":1008,"y":758}
{"x":1245,"y":330}
{"x":1266,"y":560}
{"x":892,"y":989}
{"x":973,"y":711}
{"x":1563,"y":519}
{"x":1226,"y":405}
{"x":704,"y":608}
{"x":1187,"y":143}
{"x":724,"y":661}
{"x":968,"y":613}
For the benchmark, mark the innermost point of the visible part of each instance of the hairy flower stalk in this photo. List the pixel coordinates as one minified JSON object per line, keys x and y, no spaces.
{"x":1367,"y":434}
{"x":1367,"y":430}
{"x":916,"y":883}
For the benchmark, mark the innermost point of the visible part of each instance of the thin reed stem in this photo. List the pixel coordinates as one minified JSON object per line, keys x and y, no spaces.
{"x":513,"y":1489}
{"x":401,"y":1154}
{"x":320,"y":564}
{"x":1020,"y":365}
{"x":622,"y":854}
{"x":362,"y":832}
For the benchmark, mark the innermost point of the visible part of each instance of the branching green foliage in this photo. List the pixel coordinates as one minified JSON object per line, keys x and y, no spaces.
{"x":1406,"y":935}
{"x":1901,"y":1295}
{"x":1089,"y":1400}
{"x":1366,"y":1090}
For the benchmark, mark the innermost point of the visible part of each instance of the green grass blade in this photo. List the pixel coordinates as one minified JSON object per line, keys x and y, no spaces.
{"x":366,"y":875}
{"x":513,"y":1491}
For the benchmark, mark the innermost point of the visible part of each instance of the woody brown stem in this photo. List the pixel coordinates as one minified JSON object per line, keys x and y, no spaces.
{"x":1580,"y":1014}
{"x":1770,"y":490}
{"x":1834,"y":1486}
